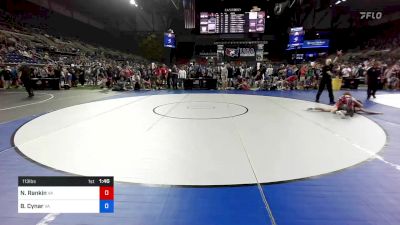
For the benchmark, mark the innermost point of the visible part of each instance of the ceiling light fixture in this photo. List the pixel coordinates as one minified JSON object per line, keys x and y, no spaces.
{"x":133,"y":2}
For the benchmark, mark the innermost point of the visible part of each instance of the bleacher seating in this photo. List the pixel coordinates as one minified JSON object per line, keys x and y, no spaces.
{"x":17,"y":40}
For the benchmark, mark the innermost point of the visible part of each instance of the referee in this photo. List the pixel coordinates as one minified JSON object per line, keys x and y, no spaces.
{"x":326,"y":79}
{"x":373,"y":75}
{"x":25,"y":77}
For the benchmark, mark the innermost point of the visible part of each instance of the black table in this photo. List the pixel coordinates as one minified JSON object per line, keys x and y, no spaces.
{"x":200,"y":84}
{"x":41,"y":83}
{"x":351,"y":83}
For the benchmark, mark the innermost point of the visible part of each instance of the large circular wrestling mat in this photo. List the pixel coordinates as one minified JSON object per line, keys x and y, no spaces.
{"x":198,"y":139}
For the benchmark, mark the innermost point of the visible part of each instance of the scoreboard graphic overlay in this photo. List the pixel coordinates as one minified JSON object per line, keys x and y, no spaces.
{"x":65,"y":194}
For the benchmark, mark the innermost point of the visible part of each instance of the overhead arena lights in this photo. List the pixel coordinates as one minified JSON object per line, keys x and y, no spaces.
{"x":133,"y":2}
{"x":339,"y":1}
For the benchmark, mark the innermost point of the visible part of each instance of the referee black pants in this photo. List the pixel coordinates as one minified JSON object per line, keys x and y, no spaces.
{"x":28,"y":87}
{"x":325,"y":81}
{"x":372,"y":88}
{"x":175,"y":81}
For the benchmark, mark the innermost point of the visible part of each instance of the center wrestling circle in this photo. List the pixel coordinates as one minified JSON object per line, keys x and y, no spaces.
{"x":200,"y":110}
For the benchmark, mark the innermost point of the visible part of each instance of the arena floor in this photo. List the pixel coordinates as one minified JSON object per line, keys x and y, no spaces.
{"x":206,"y":157}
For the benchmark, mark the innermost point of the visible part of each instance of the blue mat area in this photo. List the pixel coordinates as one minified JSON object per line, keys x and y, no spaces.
{"x":365,"y":194}
{"x":7,"y":130}
{"x":135,"y":204}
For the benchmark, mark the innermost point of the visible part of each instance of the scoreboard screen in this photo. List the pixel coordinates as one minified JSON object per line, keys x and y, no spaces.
{"x":232,"y":22}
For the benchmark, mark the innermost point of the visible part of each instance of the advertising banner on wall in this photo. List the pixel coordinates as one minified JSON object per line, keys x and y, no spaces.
{"x":247,"y":52}
{"x":239,"y":52}
{"x":232,"y":52}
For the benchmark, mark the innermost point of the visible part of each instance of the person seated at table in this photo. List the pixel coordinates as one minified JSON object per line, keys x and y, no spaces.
{"x":279,"y":83}
{"x":308,"y":83}
{"x":291,"y":82}
{"x":258,"y":79}
{"x":137,"y":81}
{"x":121,"y":84}
{"x":393,"y":82}
{"x":104,"y":82}
{"x":50,"y":71}
{"x":68,"y":77}
{"x":146,"y":81}
{"x":5,"y":75}
{"x":243,"y":84}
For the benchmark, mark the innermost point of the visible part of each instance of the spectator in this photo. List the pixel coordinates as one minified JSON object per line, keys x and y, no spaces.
{"x":181,"y":76}
{"x":5,"y":75}
{"x":174,"y":77}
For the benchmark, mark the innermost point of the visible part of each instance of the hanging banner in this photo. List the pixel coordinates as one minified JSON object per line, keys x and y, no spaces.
{"x":220,"y":53}
{"x":260,"y":52}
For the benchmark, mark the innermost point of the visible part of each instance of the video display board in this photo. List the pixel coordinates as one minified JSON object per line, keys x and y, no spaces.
{"x":296,"y":37}
{"x":232,"y":21}
{"x":318,"y":43}
{"x":169,"y":40}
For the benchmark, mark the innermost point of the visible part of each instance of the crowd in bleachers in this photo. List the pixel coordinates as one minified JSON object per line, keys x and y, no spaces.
{"x":129,"y":75}
{"x":294,"y":77}
{"x":47,"y":55}
{"x":387,"y":38}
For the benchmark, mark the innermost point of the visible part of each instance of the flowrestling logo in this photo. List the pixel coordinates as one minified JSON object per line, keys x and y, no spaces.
{"x":371,"y":15}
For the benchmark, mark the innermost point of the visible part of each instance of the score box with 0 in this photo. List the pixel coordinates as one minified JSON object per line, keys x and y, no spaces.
{"x":66,"y":194}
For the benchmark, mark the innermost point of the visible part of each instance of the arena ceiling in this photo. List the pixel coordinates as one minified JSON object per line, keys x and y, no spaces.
{"x":121,"y":15}
{"x":160,"y":15}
